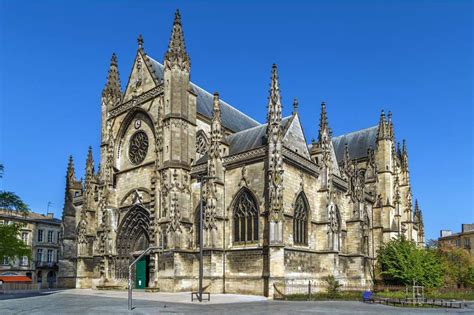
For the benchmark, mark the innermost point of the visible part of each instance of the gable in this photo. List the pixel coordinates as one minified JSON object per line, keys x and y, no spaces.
{"x":140,"y":79}
{"x":294,"y":138}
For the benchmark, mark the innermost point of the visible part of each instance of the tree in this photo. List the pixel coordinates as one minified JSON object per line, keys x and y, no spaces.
{"x":459,"y":266}
{"x":11,"y":245}
{"x":10,"y":201}
{"x":401,"y":262}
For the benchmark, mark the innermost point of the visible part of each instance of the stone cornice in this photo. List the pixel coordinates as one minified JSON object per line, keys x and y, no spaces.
{"x":299,"y":161}
{"x":245,"y":157}
{"x":136,"y":101}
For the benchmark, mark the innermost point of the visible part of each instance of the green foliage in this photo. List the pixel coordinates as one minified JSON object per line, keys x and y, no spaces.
{"x":322,"y":296}
{"x":11,"y":245}
{"x":11,"y":201}
{"x":333,"y":287}
{"x":459,"y":266}
{"x":432,"y":294}
{"x":402,"y":262}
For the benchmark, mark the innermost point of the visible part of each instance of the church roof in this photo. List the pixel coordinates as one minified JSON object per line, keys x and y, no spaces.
{"x":251,"y":138}
{"x":358,"y":142}
{"x":247,"y":139}
{"x":231,"y":117}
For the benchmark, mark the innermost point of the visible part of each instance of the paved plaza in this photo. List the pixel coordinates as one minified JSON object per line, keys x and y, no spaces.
{"x":115,"y":302}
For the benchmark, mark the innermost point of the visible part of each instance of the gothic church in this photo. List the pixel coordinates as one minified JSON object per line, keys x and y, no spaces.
{"x":276,"y":209}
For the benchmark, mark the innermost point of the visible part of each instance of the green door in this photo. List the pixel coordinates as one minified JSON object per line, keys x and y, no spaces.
{"x":140,"y":273}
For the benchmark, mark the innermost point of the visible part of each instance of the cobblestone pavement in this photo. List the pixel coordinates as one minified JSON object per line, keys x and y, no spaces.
{"x":97,"y":302}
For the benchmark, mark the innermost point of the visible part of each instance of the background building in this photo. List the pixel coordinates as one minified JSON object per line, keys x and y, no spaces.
{"x":463,"y":239}
{"x":42,"y":234}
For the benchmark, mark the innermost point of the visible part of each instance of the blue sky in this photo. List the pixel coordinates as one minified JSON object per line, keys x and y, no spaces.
{"x":414,"y":58}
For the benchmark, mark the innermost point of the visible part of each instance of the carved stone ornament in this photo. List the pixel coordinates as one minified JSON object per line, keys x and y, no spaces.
{"x":138,"y":147}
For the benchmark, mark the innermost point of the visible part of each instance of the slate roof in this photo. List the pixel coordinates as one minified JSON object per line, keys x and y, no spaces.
{"x":247,"y":139}
{"x":232,"y":118}
{"x":358,"y":143}
{"x":251,"y":138}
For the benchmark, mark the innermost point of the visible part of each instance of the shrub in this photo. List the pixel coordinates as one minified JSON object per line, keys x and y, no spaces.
{"x":333,"y":287}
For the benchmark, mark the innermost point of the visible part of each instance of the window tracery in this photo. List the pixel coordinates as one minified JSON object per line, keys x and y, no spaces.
{"x":245,"y":217}
{"x":300,"y":221}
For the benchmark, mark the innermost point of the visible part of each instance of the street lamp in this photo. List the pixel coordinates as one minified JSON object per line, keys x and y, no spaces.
{"x":201,"y":263}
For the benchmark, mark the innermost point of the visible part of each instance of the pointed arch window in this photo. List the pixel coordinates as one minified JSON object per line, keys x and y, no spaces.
{"x":245,"y":215}
{"x":197,"y":221}
{"x":300,"y":220}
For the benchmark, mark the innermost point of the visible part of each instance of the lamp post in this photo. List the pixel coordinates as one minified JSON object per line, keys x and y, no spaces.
{"x":201,"y":262}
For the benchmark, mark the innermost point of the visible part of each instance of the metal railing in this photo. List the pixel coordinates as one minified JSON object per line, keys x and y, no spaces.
{"x":146,"y":251}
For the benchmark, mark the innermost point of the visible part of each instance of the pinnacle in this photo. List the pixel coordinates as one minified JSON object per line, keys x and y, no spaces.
{"x":216,"y":102}
{"x":113,"y":60}
{"x":383,"y":132}
{"x":323,"y":122}
{"x":89,"y":163}
{"x":176,"y":54}
{"x":274,"y":100}
{"x":177,"y":17}
{"x":70,"y":168}
{"x":113,"y":86}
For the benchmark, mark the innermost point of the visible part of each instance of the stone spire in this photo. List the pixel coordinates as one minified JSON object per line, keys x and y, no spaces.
{"x":70,"y":174}
{"x":417,"y":212}
{"x":275,"y":146}
{"x":89,"y":165}
{"x":383,"y":132}
{"x":112,"y":91}
{"x":214,"y":155}
{"x":176,"y":54}
{"x":391,"y":133}
{"x":324,"y":133}
{"x":274,"y":100}
{"x":399,"y":151}
{"x":404,"y":156}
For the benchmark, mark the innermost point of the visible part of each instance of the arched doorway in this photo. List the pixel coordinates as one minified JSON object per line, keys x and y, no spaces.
{"x":132,"y":238}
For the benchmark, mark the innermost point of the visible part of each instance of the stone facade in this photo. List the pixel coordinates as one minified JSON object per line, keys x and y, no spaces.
{"x":275,"y":208}
{"x":42,"y":234}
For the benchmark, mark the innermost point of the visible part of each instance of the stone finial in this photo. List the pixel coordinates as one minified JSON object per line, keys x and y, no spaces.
{"x":140,"y":41}
{"x":295,"y":105}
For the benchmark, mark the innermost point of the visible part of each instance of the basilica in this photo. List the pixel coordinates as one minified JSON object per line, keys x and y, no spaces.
{"x":276,"y":207}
